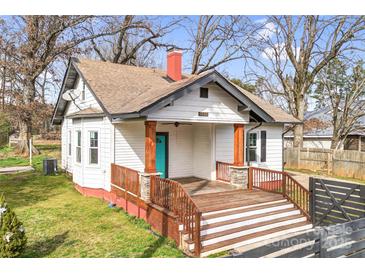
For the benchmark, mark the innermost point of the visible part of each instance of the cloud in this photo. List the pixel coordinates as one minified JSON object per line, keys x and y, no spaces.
{"x":277,"y":50}
{"x":267,"y":30}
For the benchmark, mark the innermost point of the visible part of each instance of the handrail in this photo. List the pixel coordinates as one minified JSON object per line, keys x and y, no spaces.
{"x":222,"y":171}
{"x":280,"y":182}
{"x":171,"y":195}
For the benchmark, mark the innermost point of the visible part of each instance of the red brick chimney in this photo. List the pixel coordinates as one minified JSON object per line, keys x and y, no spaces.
{"x":174,"y":60}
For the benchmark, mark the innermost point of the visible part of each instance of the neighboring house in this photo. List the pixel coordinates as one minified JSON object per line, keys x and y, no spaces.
{"x":318,"y":132}
{"x":140,"y":122}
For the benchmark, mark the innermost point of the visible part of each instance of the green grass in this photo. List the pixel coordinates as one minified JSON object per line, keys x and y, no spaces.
{"x":9,"y":158}
{"x":59,"y":222}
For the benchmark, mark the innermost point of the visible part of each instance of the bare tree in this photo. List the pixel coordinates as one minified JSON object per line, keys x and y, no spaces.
{"x":37,"y":42}
{"x":136,"y":41}
{"x":216,"y":40}
{"x":342,"y":89}
{"x":293,"y":50}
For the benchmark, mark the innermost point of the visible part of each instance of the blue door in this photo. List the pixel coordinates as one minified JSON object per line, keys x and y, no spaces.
{"x":162,"y":154}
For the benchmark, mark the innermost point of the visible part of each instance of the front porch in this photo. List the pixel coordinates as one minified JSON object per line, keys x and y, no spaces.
{"x":216,"y":195}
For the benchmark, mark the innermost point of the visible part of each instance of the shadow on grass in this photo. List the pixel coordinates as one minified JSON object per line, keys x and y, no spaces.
{"x":45,"y":247}
{"x":150,"y":251}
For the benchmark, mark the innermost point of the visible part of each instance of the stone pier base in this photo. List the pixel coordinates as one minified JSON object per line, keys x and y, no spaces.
{"x":239,"y":176}
{"x":145,"y":179}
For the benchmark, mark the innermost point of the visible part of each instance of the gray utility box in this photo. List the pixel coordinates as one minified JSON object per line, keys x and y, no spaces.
{"x":49,"y":166}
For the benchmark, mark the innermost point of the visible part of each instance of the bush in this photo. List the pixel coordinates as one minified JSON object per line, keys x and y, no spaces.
{"x":5,"y":129}
{"x":12,"y":233}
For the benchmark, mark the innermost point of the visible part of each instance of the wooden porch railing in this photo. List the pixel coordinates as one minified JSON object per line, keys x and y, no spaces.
{"x":222,"y":170}
{"x":171,"y":195}
{"x":125,"y":178}
{"x":280,"y":182}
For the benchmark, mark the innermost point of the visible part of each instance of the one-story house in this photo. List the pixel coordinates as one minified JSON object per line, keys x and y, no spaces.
{"x":130,"y":124}
{"x":318,"y":132}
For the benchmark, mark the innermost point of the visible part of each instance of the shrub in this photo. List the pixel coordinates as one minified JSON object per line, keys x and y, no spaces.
{"x":12,"y":234}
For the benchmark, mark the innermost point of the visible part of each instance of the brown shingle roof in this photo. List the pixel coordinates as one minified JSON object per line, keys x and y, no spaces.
{"x":127,"y":89}
{"x":276,"y":113}
{"x":87,"y":112}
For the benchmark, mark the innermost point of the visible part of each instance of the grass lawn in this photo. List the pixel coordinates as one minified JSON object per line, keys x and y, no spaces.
{"x":59,"y":222}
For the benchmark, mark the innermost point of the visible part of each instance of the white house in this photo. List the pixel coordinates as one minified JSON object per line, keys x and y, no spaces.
{"x":152,"y":141}
{"x":193,"y":116}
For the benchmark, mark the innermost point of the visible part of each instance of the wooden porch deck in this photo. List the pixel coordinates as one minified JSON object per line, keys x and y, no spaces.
{"x":216,"y":195}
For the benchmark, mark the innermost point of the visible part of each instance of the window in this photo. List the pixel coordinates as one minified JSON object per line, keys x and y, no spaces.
{"x":93,"y":147}
{"x":203,"y":93}
{"x":78,"y":146}
{"x":263,"y":146}
{"x":69,"y":143}
{"x":252,"y":147}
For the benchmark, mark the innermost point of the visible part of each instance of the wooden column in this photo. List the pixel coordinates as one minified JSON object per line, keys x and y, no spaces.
{"x":150,"y":147}
{"x":239,"y":133}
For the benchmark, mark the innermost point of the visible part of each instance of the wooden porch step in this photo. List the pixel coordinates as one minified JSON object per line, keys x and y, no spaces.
{"x":242,"y":219}
{"x":252,"y":226}
{"x":254,"y":237}
{"x":245,"y":212}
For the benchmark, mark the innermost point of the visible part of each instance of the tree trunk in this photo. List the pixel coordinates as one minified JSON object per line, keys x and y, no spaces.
{"x":23,"y":142}
{"x":298,"y":129}
{"x":298,"y":136}
{"x":25,"y":123}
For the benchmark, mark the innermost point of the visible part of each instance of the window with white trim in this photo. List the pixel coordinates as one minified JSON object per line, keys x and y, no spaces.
{"x":69,"y":143}
{"x":93,"y":147}
{"x":78,"y":146}
{"x":252,"y":148}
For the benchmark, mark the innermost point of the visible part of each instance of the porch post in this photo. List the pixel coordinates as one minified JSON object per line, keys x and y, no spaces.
{"x":150,"y":147}
{"x":239,"y":133}
{"x":238,"y":172}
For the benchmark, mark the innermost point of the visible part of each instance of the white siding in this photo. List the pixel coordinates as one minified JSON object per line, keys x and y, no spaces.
{"x":129,"y":145}
{"x":202,"y":151}
{"x":85,"y":174}
{"x":180,"y":149}
{"x":224,"y":143}
{"x":274,"y":159}
{"x":221,"y":107}
{"x":311,"y":142}
{"x":89,"y":101}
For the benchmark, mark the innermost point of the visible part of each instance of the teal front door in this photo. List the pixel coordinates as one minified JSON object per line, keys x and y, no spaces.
{"x":162,"y":154}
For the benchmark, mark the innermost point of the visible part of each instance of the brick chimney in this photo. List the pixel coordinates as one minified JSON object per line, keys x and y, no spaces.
{"x":174,"y":61}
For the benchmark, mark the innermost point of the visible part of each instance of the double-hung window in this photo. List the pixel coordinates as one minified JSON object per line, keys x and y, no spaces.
{"x":252,"y":147}
{"x":78,"y":146}
{"x":94,"y":147}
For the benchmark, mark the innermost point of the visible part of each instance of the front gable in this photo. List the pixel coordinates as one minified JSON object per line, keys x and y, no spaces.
{"x":219,"y":106}
{"x":83,"y":101}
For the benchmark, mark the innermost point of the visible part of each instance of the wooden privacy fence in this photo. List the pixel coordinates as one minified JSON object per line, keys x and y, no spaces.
{"x":223,"y":172}
{"x":341,"y":240}
{"x":125,"y":179}
{"x":280,"y":182}
{"x":171,"y":195}
{"x":346,"y":163}
{"x":335,"y":201}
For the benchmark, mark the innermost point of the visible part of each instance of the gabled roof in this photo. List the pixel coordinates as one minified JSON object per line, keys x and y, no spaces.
{"x":126,"y":91}
{"x":87,"y":112}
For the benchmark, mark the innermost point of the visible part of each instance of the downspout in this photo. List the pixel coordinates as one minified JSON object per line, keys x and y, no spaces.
{"x":282,"y":146}
{"x":247,"y":142}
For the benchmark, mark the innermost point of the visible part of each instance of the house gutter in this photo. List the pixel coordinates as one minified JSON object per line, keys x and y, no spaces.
{"x":247,"y":143}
